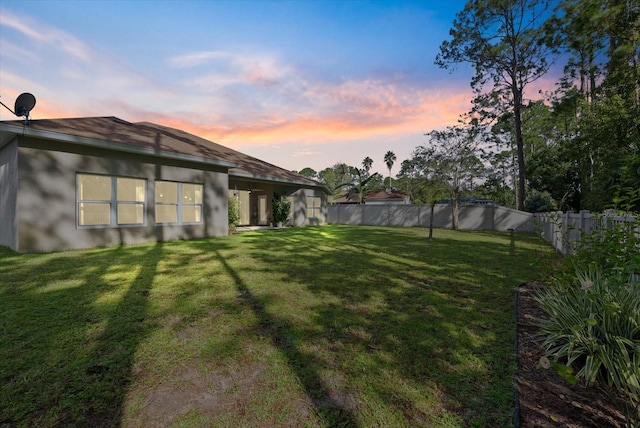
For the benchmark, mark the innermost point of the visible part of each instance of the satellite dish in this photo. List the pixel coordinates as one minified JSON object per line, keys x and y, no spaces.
{"x":24,"y":104}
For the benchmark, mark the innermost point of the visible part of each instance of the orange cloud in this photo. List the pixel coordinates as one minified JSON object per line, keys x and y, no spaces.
{"x":378,"y":120}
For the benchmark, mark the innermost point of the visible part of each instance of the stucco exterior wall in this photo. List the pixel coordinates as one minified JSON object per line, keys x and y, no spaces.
{"x":8,"y":192}
{"x":300,"y":212}
{"x":46,"y":201}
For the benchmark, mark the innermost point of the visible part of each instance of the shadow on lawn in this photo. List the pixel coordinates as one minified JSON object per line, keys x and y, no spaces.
{"x":51,"y":388}
{"x":280,"y":332}
{"x":425,"y":322}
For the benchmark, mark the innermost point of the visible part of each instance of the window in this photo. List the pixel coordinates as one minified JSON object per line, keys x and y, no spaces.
{"x":166,"y":202}
{"x":313,"y":206}
{"x":110,"y":201}
{"x":178,"y":202}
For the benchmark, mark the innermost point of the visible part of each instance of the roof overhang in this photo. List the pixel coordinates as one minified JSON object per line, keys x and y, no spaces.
{"x":8,"y":131}
{"x":267,"y":179}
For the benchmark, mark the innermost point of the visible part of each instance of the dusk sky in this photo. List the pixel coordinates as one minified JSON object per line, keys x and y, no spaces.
{"x":295,"y":83}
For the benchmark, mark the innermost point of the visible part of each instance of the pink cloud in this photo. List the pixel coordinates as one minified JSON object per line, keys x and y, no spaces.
{"x":361,"y":118}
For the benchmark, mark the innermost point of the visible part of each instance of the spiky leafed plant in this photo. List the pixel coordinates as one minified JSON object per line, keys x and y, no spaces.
{"x":593,"y":330}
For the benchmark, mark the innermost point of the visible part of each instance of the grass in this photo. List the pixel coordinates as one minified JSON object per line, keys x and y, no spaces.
{"x":322,"y":326}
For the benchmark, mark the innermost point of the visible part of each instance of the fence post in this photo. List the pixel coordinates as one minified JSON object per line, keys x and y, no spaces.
{"x":565,"y":239}
{"x":583,"y":225}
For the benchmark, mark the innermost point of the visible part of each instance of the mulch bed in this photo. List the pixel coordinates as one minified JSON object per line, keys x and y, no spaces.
{"x":545,"y":398}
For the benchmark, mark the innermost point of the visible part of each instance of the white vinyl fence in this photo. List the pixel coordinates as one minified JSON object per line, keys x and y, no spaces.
{"x":564,"y":230}
{"x":470,"y":217}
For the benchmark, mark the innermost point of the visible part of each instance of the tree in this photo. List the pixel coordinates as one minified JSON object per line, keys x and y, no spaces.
{"x":309,"y":173}
{"x":356,"y":180}
{"x":362,"y":178}
{"x":417,"y":176}
{"x":367,"y":163}
{"x":389,"y":159}
{"x":451,"y":156}
{"x":336,"y":176}
{"x":410,"y":178}
{"x":498,"y":185}
{"x":599,"y":98}
{"x":502,"y":39}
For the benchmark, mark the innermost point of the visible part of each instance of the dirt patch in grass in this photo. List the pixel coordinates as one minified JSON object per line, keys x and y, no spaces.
{"x":189,"y":389}
{"x":546,"y":399}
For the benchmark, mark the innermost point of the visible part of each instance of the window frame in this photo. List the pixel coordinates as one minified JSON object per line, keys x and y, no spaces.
{"x":313,"y":210}
{"x":113,"y":202}
{"x":179,"y":204}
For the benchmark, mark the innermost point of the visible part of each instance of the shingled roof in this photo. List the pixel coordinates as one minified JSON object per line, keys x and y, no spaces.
{"x":153,"y":139}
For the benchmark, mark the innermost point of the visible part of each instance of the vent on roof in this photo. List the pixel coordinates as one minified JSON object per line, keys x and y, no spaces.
{"x":23,"y":106}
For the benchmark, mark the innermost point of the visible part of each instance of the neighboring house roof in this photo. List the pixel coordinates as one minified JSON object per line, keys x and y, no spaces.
{"x":156,"y":140}
{"x":379,"y":195}
{"x":470,"y":200}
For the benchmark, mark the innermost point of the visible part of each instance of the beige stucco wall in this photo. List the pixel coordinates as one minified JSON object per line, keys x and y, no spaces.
{"x":46,"y":201}
{"x":300,"y":217}
{"x":8,"y":185}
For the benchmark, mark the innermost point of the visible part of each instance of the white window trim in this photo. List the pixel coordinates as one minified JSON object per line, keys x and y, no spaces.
{"x":180,"y":204}
{"x":316,"y":209}
{"x":113,"y":203}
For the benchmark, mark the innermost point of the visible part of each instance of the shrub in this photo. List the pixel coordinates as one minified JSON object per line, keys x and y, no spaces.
{"x":281,"y":207}
{"x":538,"y":202}
{"x":234,"y":212}
{"x":611,"y":248}
{"x":594,"y":330}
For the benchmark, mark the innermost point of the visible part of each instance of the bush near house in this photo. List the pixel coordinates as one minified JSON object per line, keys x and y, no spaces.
{"x":234,"y":212}
{"x":281,"y":208}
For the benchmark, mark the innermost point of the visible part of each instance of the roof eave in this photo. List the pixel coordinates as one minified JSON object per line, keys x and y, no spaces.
{"x":110,"y":145}
{"x":246,"y":175}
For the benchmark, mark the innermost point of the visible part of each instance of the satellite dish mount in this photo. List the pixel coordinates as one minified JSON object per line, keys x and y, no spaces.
{"x":24,"y":104}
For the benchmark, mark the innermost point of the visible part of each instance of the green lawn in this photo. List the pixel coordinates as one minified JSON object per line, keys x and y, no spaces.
{"x":318,"y":326}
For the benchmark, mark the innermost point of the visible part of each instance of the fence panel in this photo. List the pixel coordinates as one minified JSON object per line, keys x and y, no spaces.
{"x":471,"y":217}
{"x":565,"y":230}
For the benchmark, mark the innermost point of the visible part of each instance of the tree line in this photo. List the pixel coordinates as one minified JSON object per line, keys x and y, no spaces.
{"x":574,"y":147}
{"x":346,"y":180}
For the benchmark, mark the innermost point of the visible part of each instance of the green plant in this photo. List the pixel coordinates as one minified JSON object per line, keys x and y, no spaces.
{"x":594,"y":330}
{"x":610,"y":246}
{"x":538,"y":202}
{"x":234,"y":212}
{"x":281,"y":207}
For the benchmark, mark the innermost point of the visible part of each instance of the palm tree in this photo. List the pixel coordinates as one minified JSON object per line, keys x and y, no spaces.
{"x":389,"y":159}
{"x":366,"y":163}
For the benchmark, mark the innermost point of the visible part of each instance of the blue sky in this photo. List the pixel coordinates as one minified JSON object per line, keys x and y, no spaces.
{"x":295,"y":83}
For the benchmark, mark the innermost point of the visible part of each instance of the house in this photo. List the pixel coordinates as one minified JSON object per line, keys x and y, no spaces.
{"x":99,"y":181}
{"x":377,"y":197}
